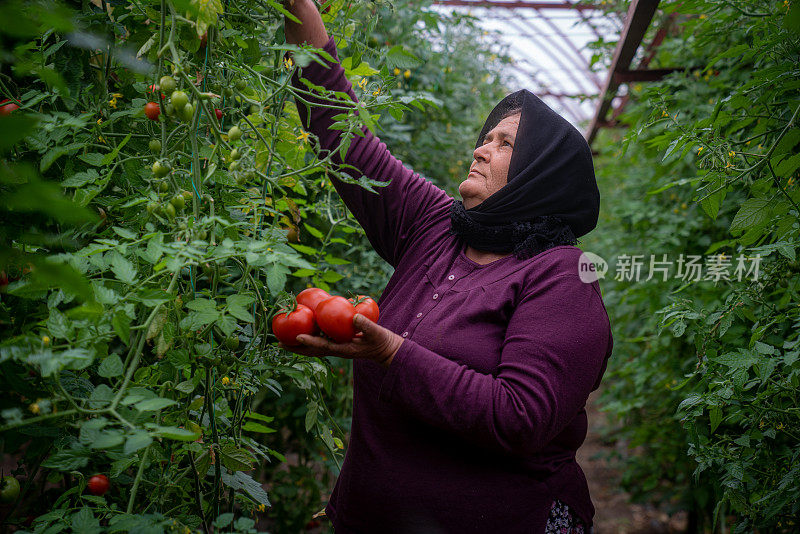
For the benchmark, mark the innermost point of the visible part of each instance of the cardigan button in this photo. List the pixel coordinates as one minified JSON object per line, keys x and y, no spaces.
{"x":451,"y":277}
{"x":419,"y":315}
{"x":405,"y":334}
{"x":435,"y":296}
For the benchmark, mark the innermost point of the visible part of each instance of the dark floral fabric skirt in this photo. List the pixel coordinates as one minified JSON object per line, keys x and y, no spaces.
{"x":563,"y":520}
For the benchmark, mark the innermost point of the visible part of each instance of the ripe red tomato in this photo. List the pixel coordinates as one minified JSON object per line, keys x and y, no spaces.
{"x":7,"y":106}
{"x":98,"y":484}
{"x":335,"y":318}
{"x":287,"y":327}
{"x":311,"y":297}
{"x":152,"y":110}
{"x":367,"y":307}
{"x":218,"y":113}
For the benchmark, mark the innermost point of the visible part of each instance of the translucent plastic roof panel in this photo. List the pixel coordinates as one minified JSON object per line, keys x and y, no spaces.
{"x":548,"y":43}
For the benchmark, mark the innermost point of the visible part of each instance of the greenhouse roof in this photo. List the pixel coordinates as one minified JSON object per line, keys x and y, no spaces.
{"x":549,"y":43}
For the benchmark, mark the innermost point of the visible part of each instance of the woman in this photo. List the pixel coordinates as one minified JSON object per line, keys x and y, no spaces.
{"x":469,"y":394}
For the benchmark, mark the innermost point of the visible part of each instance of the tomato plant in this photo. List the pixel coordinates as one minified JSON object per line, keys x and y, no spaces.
{"x":135,"y":326}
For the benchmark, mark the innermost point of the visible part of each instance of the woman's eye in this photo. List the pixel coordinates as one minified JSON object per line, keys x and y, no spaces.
{"x":507,"y":143}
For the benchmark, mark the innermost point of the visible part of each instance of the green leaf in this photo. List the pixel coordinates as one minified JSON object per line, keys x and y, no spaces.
{"x":136,"y":441}
{"x":122,"y":268}
{"x":235,"y":458}
{"x":252,"y":426}
{"x":223,"y":520}
{"x":179,"y":434}
{"x":242,"y":481}
{"x":107,"y":440}
{"x":400,"y":58}
{"x":122,"y":326}
{"x":54,"y":153}
{"x":753,"y":212}
{"x":96,"y":159}
{"x":85,"y":522}
{"x":76,"y":457}
{"x":14,"y":128}
{"x":740,"y":359}
{"x":111,"y":366}
{"x":151,"y":405}
{"x":313,"y":231}
{"x":715,"y":414}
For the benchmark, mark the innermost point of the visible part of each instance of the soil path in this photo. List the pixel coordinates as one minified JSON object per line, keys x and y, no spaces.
{"x":613,"y":513}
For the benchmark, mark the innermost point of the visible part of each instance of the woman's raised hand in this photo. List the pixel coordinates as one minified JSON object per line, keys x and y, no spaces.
{"x":311,"y":30}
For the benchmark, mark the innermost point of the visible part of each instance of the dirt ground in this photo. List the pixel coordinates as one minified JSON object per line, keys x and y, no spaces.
{"x":614,"y":515}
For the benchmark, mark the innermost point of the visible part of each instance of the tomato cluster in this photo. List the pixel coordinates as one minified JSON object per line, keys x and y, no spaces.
{"x":317,"y":310}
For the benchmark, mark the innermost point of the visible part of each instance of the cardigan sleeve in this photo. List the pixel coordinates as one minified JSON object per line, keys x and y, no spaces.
{"x":402,"y":211}
{"x":554,"y":353}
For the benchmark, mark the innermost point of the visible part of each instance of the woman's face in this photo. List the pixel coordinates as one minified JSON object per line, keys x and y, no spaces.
{"x":489,"y":170}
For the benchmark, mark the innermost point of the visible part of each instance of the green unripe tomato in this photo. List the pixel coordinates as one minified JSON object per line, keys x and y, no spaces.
{"x":179,"y":99}
{"x":249,"y":175}
{"x":254,"y":109}
{"x":155,"y":146}
{"x":9,"y":489}
{"x":240,"y":179}
{"x":167,"y":84}
{"x":151,"y":207}
{"x":160,"y":169}
{"x":234,"y":134}
{"x":202,"y":235}
{"x":227,"y":92}
{"x":187,"y":112}
{"x":163,"y":187}
{"x":169,"y":211}
{"x":234,"y":166}
{"x":178,"y":202}
{"x":241,"y":85}
{"x":232,"y":342}
{"x":235,"y":154}
{"x":169,"y":109}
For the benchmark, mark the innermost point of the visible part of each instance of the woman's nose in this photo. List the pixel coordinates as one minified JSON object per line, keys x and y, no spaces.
{"x":481,"y":153}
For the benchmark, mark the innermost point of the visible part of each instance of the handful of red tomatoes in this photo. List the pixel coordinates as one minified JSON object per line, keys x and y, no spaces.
{"x":318,"y":310}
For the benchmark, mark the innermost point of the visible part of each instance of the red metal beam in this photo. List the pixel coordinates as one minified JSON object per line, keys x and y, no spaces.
{"x":648,"y":57}
{"x":640,"y":14}
{"x":642,"y":75}
{"x":516,"y":4}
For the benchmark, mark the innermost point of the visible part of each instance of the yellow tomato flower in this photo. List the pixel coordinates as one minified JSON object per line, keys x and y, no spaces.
{"x":303,"y":136}
{"x":362,"y":83}
{"x":684,"y":206}
{"x":664,"y":114}
{"x":700,"y":149}
{"x":407,"y":74}
{"x":34,"y":408}
{"x":376,"y":93}
{"x":45,"y":340}
{"x":112,"y":103}
{"x":288,"y":63}
{"x":225,"y":380}
{"x":99,"y":121}
{"x":396,"y":71}
{"x":261,"y":508}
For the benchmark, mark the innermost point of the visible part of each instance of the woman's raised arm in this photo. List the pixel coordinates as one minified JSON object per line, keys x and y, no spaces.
{"x":399,"y":217}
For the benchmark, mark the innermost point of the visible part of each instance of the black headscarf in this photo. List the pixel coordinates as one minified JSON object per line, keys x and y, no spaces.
{"x":551,"y":197}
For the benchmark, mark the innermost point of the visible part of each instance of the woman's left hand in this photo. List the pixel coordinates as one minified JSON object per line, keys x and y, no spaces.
{"x":375,"y":343}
